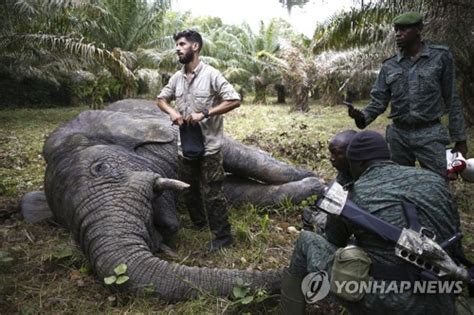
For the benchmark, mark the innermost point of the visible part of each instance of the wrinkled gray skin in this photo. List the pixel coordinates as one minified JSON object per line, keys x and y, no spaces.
{"x":107,"y":182}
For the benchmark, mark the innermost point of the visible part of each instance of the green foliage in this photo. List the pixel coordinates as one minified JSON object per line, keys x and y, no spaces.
{"x":119,"y":278}
{"x":50,"y":39}
{"x":128,"y":24}
{"x":24,"y":131}
{"x":148,"y":290}
{"x":255,"y":227}
{"x":244,"y":297}
{"x":5,"y":259}
{"x":354,"y":28}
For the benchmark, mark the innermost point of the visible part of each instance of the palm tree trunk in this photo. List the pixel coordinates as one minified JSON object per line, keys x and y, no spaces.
{"x":301,"y":97}
{"x":281,"y":93}
{"x":260,"y":92}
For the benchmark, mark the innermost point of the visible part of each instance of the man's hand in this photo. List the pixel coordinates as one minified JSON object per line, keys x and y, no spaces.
{"x":358,"y":116}
{"x":461,"y":147}
{"x":176,"y":118}
{"x":194,"y":118}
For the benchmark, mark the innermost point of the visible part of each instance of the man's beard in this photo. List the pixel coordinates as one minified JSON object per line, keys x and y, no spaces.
{"x":186,"y":58}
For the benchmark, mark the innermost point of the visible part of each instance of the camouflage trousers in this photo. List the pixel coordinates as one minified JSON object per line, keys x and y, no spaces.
{"x":205,"y":198}
{"x":427,"y":145}
{"x":314,"y":252}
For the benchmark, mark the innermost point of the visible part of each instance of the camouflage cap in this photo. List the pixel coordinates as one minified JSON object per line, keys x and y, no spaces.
{"x":408,"y":18}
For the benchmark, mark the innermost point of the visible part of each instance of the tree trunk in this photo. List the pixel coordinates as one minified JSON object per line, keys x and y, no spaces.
{"x":281,"y":93}
{"x":260,"y":92}
{"x":301,"y":99}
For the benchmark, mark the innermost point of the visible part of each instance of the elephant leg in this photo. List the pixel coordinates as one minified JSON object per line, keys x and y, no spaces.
{"x":246,"y":161}
{"x":240,"y":191}
{"x":35,"y":208}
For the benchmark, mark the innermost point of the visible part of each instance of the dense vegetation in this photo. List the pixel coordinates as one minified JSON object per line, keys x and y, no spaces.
{"x":91,"y":51}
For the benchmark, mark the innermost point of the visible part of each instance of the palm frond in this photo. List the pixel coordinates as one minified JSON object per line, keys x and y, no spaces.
{"x":64,"y":44}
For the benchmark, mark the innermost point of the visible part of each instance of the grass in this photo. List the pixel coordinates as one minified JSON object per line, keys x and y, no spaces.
{"x":46,"y":273}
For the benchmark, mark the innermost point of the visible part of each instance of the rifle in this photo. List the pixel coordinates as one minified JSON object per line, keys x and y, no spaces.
{"x":415,"y":244}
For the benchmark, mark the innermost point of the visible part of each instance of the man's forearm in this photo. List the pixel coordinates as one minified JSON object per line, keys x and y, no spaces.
{"x":175,"y":117}
{"x":164,"y":106}
{"x":224,"y":107}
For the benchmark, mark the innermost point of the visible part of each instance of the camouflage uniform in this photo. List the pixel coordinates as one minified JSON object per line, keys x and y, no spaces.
{"x":206,"y":176}
{"x":344,"y":178}
{"x":380,"y":190}
{"x":420,"y":92}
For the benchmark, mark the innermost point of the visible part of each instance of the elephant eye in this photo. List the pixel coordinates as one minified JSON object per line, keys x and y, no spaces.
{"x":100,"y":168}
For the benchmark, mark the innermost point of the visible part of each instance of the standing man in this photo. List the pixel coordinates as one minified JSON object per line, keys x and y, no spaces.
{"x":202,"y":95}
{"x":419,"y":82}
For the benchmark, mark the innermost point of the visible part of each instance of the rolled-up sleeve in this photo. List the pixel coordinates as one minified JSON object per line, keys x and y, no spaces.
{"x":452,"y":101}
{"x":225,"y":90}
{"x":168,"y":92}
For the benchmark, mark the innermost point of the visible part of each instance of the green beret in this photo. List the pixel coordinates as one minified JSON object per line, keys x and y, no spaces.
{"x":408,"y":18}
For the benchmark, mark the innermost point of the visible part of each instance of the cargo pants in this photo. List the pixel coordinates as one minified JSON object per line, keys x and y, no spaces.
{"x":205,"y":198}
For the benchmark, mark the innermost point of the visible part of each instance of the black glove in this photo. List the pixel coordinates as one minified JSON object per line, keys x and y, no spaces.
{"x":307,"y":218}
{"x":358,"y":117}
{"x":461,"y":147}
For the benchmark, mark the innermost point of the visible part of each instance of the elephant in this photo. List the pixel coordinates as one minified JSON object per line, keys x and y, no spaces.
{"x":111,"y":180}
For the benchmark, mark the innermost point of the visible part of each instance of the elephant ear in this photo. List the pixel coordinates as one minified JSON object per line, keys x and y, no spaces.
{"x":122,"y":125}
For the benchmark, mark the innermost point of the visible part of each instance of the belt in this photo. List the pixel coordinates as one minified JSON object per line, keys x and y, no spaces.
{"x":415,"y":126}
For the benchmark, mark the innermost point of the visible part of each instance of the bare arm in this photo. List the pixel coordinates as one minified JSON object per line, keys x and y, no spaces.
{"x":227,"y":93}
{"x":222,"y":108}
{"x":175,"y":117}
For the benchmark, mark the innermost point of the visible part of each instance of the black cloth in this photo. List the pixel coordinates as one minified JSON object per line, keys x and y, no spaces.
{"x":192,"y":140}
{"x":367,"y":145}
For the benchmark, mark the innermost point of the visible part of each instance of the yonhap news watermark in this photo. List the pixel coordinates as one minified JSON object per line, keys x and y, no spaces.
{"x":316,"y":286}
{"x":398,"y":287}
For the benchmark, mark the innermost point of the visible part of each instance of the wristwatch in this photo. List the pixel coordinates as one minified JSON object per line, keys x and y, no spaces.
{"x":205,"y":111}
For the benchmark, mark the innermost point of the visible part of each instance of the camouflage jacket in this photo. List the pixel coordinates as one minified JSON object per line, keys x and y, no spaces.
{"x":344,"y":178}
{"x":419,"y":91}
{"x":381,"y":189}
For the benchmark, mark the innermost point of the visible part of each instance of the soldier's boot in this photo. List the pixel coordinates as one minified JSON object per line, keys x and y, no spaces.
{"x":291,"y":299}
{"x":223,"y":237}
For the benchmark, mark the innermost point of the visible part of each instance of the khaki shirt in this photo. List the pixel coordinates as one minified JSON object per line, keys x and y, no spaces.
{"x":207,"y":88}
{"x":419,"y":91}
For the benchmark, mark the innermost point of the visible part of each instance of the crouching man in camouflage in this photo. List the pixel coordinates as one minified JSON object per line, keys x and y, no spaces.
{"x":380,"y":188}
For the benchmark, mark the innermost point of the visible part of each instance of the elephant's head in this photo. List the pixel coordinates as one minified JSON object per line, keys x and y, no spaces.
{"x":110,"y":160}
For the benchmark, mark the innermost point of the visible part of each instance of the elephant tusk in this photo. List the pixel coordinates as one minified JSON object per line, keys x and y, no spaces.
{"x":167,"y":183}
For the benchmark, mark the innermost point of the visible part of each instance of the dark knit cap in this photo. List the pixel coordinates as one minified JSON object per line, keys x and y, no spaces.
{"x":367,"y":145}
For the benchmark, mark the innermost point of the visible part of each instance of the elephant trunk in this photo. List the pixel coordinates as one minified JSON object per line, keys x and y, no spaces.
{"x":170,"y":281}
